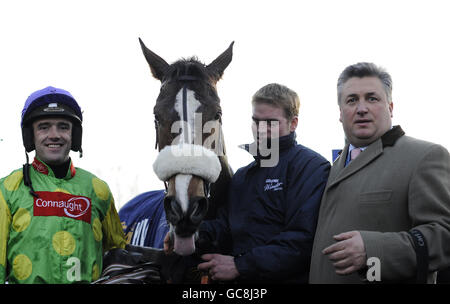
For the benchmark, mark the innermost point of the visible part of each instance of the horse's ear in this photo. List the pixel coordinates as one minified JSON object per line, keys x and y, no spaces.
{"x":158,"y":66}
{"x":219,"y":65}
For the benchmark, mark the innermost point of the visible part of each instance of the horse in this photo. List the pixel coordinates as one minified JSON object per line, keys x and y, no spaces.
{"x":192,"y":160}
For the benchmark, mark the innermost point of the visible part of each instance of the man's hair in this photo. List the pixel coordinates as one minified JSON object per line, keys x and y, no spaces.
{"x":365,"y":69}
{"x":279,"y":96}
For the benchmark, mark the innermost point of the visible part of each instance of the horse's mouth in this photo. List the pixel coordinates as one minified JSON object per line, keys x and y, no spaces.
{"x":184,"y":245}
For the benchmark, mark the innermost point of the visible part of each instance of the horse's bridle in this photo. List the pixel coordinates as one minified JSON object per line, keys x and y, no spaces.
{"x":182,"y":78}
{"x":185,"y":79}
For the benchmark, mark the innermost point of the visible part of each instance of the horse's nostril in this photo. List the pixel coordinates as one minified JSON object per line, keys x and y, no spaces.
{"x":174,"y":213}
{"x":198,"y":209}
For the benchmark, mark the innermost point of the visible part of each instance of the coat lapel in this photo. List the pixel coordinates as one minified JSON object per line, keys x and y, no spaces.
{"x":338,"y":165}
{"x":339,"y":172}
{"x":365,"y":158}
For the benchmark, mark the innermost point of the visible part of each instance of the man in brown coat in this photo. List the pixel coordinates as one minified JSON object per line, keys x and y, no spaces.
{"x":385,"y":212}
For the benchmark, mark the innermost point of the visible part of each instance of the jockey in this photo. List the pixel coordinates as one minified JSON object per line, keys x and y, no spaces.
{"x":56,"y":220}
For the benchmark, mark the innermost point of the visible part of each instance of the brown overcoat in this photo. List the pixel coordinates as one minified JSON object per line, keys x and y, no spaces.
{"x":396,"y":184}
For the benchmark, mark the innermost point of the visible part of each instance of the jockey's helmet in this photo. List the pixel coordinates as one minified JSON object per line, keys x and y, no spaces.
{"x":51,"y":102}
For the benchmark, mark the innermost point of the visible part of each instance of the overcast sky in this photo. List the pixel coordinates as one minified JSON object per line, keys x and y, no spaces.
{"x":91,"y":49}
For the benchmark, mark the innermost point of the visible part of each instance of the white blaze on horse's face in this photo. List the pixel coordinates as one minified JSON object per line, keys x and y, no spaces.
{"x":181,"y":190}
{"x":192,"y":104}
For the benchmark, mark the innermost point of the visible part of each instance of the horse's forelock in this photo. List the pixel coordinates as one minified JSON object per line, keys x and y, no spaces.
{"x":188,"y":66}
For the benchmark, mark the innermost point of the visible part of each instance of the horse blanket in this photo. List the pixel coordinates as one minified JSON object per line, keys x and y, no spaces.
{"x":144,"y":220}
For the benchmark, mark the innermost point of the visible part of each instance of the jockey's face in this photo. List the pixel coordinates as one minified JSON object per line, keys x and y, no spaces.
{"x":52,"y":139}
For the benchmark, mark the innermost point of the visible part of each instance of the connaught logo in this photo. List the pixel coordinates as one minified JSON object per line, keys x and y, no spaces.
{"x":62,"y":204}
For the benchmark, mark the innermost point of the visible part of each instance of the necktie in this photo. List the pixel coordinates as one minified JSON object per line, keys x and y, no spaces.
{"x":354,"y":153}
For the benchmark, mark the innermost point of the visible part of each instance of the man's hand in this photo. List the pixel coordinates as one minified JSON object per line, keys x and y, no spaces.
{"x":220,"y":267}
{"x":348,"y":254}
{"x":168,"y":243}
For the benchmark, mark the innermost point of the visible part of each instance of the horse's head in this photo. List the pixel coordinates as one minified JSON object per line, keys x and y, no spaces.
{"x":188,"y":128}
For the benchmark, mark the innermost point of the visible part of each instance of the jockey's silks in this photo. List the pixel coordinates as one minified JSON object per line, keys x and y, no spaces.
{"x":60,"y":235}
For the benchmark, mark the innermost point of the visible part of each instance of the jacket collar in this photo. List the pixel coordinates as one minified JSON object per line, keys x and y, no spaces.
{"x":373,"y":151}
{"x":43,"y":168}
{"x":285,"y":143}
{"x":390,"y":137}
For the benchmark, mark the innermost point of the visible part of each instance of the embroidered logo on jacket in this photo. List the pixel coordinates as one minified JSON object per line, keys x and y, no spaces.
{"x":273,"y":184}
{"x":40,"y":167}
{"x":62,"y":204}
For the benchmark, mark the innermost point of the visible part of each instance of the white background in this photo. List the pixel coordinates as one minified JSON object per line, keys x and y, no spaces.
{"x":91,"y":49}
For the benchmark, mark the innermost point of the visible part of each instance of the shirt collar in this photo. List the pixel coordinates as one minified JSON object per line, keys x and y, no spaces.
{"x":351,"y":147}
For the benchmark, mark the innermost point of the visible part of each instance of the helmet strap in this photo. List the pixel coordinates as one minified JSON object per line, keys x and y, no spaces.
{"x":26,"y":176}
